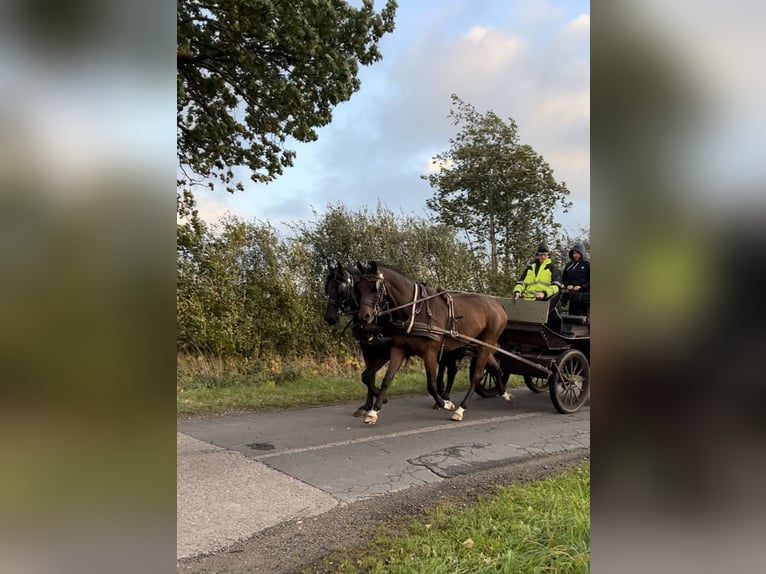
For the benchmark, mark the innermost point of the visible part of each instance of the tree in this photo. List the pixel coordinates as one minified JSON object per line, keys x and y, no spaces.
{"x":500,"y":193}
{"x":424,"y":249}
{"x":251,"y":73}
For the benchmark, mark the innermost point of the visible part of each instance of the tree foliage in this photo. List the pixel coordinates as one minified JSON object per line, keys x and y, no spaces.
{"x":424,"y":249}
{"x":251,"y":73}
{"x":244,"y":291}
{"x":500,"y":193}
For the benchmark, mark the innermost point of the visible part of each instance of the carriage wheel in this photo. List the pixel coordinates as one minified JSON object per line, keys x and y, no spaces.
{"x":570,"y":389}
{"x":487,"y":387}
{"x":536,"y":384}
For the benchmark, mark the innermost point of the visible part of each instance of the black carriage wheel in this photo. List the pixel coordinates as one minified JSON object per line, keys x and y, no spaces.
{"x":570,"y":388}
{"x":536,"y":384}
{"x":487,"y":386}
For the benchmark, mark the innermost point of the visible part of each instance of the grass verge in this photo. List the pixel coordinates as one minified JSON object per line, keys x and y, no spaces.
{"x":249,"y":394}
{"x":241,"y":392}
{"x":535,"y":527}
{"x":211,"y":386}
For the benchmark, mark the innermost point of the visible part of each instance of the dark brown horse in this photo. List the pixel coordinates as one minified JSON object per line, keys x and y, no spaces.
{"x":374,"y":339}
{"x":428,"y":323}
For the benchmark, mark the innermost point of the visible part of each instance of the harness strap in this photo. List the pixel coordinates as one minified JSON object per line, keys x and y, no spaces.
{"x":414,"y":302}
{"x":392,"y":309}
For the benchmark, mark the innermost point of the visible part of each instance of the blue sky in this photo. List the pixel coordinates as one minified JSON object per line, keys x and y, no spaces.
{"x":527,"y":60}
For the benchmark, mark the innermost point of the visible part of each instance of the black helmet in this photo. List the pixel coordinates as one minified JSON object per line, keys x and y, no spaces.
{"x":543,"y":248}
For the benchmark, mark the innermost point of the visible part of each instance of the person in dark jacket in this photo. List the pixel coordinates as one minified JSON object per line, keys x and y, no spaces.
{"x":540,"y":280}
{"x":576,"y":278}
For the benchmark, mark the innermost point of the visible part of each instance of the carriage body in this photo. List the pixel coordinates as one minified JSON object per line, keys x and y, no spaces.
{"x":548,"y":348}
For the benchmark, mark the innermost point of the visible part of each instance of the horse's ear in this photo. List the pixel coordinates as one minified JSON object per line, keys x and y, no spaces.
{"x":373,"y":267}
{"x":339,"y":267}
{"x":360,"y":267}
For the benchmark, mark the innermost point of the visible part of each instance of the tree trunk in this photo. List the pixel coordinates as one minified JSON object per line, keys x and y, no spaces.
{"x":492,"y":234}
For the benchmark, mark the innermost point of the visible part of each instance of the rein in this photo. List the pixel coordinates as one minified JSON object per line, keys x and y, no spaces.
{"x":351,"y":320}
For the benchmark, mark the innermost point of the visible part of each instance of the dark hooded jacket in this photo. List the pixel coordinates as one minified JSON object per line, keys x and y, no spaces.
{"x":577,"y":272}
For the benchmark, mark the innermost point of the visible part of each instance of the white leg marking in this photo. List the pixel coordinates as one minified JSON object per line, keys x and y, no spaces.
{"x":449,"y":405}
{"x":371,"y":418}
{"x":507,"y":397}
{"x":458,"y":414}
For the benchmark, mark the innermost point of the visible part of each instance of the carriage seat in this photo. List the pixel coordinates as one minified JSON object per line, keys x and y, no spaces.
{"x":575,"y":319}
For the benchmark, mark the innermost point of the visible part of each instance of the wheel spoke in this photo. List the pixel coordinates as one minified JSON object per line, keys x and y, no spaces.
{"x":571,"y":382}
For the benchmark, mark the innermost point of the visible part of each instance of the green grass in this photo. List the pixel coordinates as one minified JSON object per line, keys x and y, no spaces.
{"x":532,"y":528}
{"x":205,"y":393}
{"x":243,"y":393}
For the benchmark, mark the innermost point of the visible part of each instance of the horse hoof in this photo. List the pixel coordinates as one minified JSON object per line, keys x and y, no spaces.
{"x":458,"y":414}
{"x":449,"y":405}
{"x":436,"y":406}
{"x":359,"y":412}
{"x":371,"y":418}
{"x":507,"y":397}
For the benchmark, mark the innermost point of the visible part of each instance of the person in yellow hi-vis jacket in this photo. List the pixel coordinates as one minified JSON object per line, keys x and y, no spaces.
{"x":540,"y":280}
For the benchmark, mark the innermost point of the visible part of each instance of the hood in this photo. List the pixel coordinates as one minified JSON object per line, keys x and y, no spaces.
{"x":579,"y":248}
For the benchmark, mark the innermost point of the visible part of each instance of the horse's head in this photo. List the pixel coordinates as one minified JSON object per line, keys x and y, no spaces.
{"x":372,"y":291}
{"x":339,"y":288}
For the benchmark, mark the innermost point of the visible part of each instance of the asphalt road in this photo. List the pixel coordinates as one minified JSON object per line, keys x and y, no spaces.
{"x":241,"y":474}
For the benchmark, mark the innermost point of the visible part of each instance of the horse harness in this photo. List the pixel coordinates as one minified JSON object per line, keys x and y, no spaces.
{"x":344,"y":289}
{"x":347,"y":304}
{"x":419,"y":300}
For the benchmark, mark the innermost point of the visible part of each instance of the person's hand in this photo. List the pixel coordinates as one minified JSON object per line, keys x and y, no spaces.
{"x":570,"y":287}
{"x":576,"y":287}
{"x":539,"y":295}
{"x":516,"y":295}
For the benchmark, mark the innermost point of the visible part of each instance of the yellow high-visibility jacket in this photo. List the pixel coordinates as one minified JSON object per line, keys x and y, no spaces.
{"x":536,"y":277}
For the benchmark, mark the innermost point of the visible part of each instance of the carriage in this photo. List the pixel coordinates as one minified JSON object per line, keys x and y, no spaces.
{"x":549,"y":348}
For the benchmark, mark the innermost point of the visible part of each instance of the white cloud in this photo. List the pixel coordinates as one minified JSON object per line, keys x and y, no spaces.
{"x":564,"y":108}
{"x":483,"y":53}
{"x":435,"y":165}
{"x":579,"y":24}
{"x":212,"y":207}
{"x":477,"y":33}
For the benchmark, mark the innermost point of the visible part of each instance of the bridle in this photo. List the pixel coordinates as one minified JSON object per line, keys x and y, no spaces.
{"x":381,"y":294}
{"x":344,"y":288}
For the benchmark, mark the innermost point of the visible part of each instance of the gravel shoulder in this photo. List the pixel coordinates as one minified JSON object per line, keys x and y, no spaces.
{"x":290,"y":547}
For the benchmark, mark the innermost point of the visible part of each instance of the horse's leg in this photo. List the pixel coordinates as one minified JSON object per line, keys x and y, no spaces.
{"x":477,"y":372}
{"x":452,"y":361}
{"x":395,"y":361}
{"x":502,"y":378}
{"x":440,"y":382}
{"x":368,"y":379}
{"x":430,"y":364}
{"x":374,"y":359}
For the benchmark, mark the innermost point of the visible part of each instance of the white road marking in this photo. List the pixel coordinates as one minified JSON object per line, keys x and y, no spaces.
{"x":396,"y":435}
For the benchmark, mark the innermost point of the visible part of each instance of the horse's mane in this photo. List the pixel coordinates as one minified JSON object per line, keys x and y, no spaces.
{"x":394,"y":268}
{"x":429,"y":289}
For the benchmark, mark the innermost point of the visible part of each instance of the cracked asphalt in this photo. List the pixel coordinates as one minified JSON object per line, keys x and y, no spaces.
{"x":248,"y":476}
